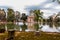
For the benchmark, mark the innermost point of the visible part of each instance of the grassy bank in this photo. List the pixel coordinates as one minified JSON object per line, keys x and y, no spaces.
{"x":38,"y":36}
{"x":3,"y":36}
{"x":32,"y":36}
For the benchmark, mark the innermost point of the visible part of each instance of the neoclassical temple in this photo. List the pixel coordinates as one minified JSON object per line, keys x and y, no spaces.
{"x":30,"y":21}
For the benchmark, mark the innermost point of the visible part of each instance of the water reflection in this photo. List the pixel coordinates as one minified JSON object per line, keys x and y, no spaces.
{"x":2,"y":28}
{"x":46,"y":27}
{"x":24,"y":27}
{"x":36,"y":25}
{"x":51,"y":27}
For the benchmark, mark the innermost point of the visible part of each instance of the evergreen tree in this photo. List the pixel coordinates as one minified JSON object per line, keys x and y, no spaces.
{"x":10,"y":16}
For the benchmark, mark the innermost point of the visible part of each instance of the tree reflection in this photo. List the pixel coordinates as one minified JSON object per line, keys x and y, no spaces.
{"x":24,"y":27}
{"x":54,"y":24}
{"x":2,"y":28}
{"x":57,"y":24}
{"x":50,"y":24}
{"x":36,"y":26}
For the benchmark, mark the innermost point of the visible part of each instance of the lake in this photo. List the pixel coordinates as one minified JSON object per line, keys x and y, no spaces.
{"x":45,"y":27}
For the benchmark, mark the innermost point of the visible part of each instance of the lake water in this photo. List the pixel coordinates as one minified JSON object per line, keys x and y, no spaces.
{"x":46,"y":27}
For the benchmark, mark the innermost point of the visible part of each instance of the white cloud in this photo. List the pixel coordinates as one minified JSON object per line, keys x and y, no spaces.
{"x":47,"y":13}
{"x":48,"y":5}
{"x":57,"y":7}
{"x":19,"y":4}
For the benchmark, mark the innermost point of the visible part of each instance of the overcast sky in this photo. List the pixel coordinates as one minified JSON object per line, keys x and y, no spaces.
{"x":47,"y":6}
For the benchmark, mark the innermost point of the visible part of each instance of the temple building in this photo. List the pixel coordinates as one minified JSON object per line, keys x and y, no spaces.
{"x":30,"y":21}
